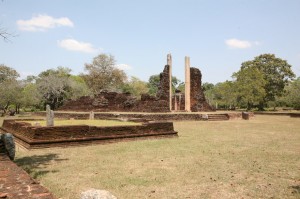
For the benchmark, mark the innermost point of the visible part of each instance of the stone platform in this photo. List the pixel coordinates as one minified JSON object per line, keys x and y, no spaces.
{"x":30,"y":136}
{"x":143,"y":117}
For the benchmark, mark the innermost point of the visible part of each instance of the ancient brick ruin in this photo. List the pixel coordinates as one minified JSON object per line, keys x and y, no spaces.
{"x":15,"y":183}
{"x":30,"y":136}
{"x":198,"y":101}
{"x":164,"y":101}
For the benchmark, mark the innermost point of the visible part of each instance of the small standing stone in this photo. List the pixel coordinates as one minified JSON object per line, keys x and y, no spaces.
{"x":205,"y":116}
{"x":92,"y":115}
{"x":245,"y":115}
{"x":9,"y":145}
{"x":49,"y":116}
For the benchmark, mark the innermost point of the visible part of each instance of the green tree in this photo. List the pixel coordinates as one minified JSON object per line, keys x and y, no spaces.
{"x":58,"y":85}
{"x":78,"y":87}
{"x":250,"y":86}
{"x":9,"y":87}
{"x":7,"y":73}
{"x":154,"y":80}
{"x":9,"y":94}
{"x":224,"y":95}
{"x":136,"y":87}
{"x":31,"y":97}
{"x":102,"y":73}
{"x":276,"y":72}
{"x":292,"y":94}
{"x":208,"y":89}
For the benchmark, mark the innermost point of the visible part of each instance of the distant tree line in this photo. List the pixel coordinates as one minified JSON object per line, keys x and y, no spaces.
{"x":266,"y":81}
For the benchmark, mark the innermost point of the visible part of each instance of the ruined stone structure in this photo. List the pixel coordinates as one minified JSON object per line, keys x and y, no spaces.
{"x":30,"y":136}
{"x":164,"y":101}
{"x":164,"y":84}
{"x":197,"y":99}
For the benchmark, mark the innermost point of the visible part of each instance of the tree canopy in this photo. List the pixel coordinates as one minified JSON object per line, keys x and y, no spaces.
{"x":153,"y":83}
{"x":292,"y":94}
{"x":57,"y":85}
{"x":249,"y":86}
{"x":7,"y":73}
{"x":9,"y":87}
{"x":102,"y":73}
{"x":136,"y":87}
{"x":276,"y":72}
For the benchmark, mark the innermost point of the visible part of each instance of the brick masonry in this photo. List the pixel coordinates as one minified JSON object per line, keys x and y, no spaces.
{"x":15,"y":183}
{"x":143,"y":117}
{"x":35,"y":137}
{"x":107,"y":101}
{"x":198,"y":101}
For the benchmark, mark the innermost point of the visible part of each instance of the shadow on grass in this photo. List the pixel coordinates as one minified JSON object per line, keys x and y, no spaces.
{"x":37,"y":165}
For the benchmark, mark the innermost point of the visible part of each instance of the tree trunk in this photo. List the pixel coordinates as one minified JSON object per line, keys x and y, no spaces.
{"x":261,"y":106}
{"x":249,"y":106}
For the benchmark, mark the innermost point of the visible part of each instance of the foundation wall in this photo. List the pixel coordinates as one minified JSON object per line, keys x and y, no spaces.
{"x":30,"y":136}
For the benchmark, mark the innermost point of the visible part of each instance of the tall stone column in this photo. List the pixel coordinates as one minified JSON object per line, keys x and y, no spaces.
{"x":169,"y":62}
{"x":49,"y":116}
{"x":187,"y":84}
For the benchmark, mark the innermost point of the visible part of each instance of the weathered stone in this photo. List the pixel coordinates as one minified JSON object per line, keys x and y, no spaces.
{"x":164,"y":85}
{"x":245,"y":115}
{"x":92,"y":115}
{"x":147,"y":97}
{"x":97,"y":194}
{"x":130,"y":103}
{"x":197,"y":100}
{"x":9,"y":145}
{"x":205,"y":116}
{"x":49,"y":116}
{"x":169,"y":63}
{"x":11,"y":112}
{"x":100,"y":102}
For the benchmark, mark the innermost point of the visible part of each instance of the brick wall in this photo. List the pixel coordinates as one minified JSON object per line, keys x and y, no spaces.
{"x":198,"y":101}
{"x":30,"y":136}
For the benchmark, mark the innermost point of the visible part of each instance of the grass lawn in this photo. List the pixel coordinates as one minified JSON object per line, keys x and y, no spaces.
{"x":259,"y":158}
{"x":87,"y":122}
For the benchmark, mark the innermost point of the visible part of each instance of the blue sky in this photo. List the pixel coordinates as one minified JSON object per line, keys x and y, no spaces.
{"x":217,"y":35}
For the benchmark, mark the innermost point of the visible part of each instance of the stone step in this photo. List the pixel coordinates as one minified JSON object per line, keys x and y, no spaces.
{"x":217,"y":117}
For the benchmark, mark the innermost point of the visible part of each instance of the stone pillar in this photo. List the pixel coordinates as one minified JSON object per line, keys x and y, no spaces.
{"x":169,"y":62}
{"x":49,"y":116}
{"x":187,"y":85}
{"x":92,"y":115}
{"x":179,"y":102}
{"x":175,"y":103}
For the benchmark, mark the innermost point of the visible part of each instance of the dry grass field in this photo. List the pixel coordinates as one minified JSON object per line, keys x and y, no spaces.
{"x":259,"y":158}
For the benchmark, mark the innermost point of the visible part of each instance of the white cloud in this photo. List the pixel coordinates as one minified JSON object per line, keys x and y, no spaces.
{"x":236,"y":43}
{"x":43,"y":22}
{"x":123,"y":67}
{"x":74,"y":45}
